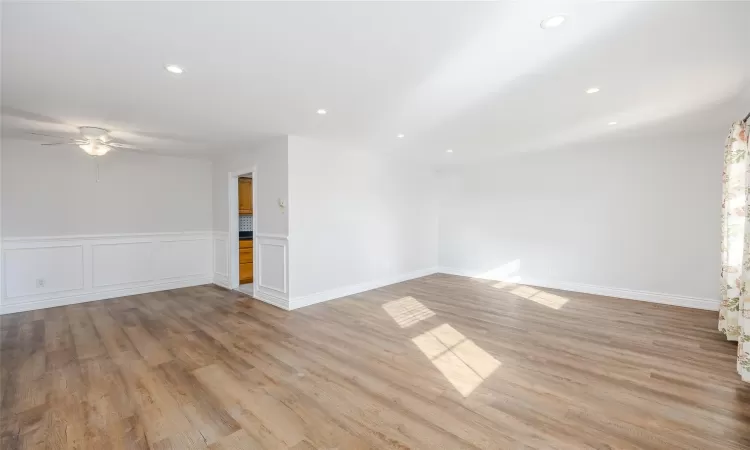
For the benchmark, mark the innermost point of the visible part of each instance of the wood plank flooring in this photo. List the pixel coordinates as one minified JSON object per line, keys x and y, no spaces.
{"x":441,"y":362}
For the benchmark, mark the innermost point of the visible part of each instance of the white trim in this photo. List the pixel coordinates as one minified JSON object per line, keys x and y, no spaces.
{"x":270,"y":236}
{"x":234,"y":239}
{"x":102,"y":295}
{"x":79,"y":237}
{"x":284,"y":249}
{"x":66,"y":291}
{"x":629,"y":294}
{"x":271,"y":299}
{"x":221,"y":238}
{"x":345,"y":291}
{"x":81,"y":286}
{"x":221,"y":280}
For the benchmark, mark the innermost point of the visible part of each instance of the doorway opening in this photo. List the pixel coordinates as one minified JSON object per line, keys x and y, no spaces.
{"x":245,"y":214}
{"x":244,"y":264}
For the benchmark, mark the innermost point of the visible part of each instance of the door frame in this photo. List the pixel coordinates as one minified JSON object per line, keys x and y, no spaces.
{"x":234,"y":228}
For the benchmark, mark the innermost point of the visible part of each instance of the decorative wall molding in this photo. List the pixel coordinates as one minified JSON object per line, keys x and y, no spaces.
{"x":270,"y":236}
{"x":144,"y":288}
{"x":307,"y":300}
{"x":630,"y":294}
{"x":271,"y":265}
{"x":272,"y":269}
{"x":221,"y":257}
{"x":41,"y":272}
{"x":220,"y":280}
{"x":272,"y":299}
{"x":82,"y":237}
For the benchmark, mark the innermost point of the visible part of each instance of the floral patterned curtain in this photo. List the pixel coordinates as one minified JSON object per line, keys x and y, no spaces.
{"x":734,"y":314}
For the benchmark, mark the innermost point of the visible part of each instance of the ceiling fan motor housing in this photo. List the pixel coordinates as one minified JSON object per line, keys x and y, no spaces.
{"x":94,"y":133}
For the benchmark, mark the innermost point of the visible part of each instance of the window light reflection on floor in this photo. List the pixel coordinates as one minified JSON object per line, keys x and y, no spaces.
{"x":407,"y":311}
{"x":543,"y":298}
{"x":463,"y":363}
{"x":508,"y":283}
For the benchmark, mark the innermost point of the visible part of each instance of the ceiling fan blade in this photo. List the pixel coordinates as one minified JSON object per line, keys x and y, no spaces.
{"x":60,"y":143}
{"x":141,"y":151}
{"x":136,"y":150}
{"x":49,"y":135}
{"x":121,"y":145}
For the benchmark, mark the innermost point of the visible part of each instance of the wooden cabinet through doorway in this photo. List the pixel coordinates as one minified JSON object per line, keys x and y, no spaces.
{"x":246,"y":261}
{"x":245,"y":195}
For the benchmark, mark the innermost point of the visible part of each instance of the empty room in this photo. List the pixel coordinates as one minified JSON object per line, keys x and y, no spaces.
{"x":374,"y":225}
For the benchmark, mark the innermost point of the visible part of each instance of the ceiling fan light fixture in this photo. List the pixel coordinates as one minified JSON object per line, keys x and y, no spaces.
{"x":95,"y":149}
{"x":94,"y":133}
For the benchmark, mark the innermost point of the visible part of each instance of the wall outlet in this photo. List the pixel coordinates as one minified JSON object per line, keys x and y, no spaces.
{"x":40,"y":282}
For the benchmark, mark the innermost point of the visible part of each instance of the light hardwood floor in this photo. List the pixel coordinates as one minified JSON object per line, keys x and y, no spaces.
{"x":441,"y":362}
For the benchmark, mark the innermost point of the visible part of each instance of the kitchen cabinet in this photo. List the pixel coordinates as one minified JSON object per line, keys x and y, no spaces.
{"x":246,"y":261}
{"x":246,"y":273}
{"x":245,"y":195}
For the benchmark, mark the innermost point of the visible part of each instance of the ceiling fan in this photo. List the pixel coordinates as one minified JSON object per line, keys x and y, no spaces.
{"x":94,"y":141}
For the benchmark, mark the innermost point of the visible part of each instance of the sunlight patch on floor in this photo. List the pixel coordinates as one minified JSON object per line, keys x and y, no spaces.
{"x":459,"y":359}
{"x":543,"y":298}
{"x":501,"y":273}
{"x":407,"y":311}
{"x":510,"y":282}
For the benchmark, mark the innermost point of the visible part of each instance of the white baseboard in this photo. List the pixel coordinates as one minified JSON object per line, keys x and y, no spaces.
{"x":272,"y":299}
{"x":345,"y":291}
{"x":630,"y":294}
{"x":221,"y":280}
{"x":46,"y":271}
{"x":103,"y":295}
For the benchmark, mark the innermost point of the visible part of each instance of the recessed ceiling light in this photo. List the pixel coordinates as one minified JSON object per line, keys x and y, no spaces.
{"x":612,"y":123}
{"x":174,"y":69}
{"x":592,"y":90}
{"x":450,"y":150}
{"x":322,"y":112}
{"x":400,"y":136}
{"x":552,"y":22}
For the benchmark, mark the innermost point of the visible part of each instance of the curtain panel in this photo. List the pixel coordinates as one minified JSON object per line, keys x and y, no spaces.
{"x":734,"y":313}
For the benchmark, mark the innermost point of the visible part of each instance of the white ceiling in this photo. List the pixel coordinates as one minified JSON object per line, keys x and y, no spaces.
{"x":481,"y":78}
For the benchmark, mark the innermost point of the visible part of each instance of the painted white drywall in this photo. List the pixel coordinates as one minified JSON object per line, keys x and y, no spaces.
{"x":359,"y":219}
{"x":144,"y":227}
{"x":270,"y":184}
{"x":640,"y":215}
{"x":52,"y":191}
{"x":269,"y":160}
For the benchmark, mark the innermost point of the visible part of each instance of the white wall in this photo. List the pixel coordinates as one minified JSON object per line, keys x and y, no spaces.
{"x":629,"y":219}
{"x":359,"y":220}
{"x":270,"y":183}
{"x":271,"y":229}
{"x":145,"y":226}
{"x":51,"y":191}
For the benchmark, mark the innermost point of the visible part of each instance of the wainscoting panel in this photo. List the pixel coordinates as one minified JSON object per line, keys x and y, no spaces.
{"x":122,"y":263}
{"x":221,"y":258}
{"x":42,"y":272}
{"x":271,"y":265}
{"x":273,"y":269}
{"x":273,"y":275}
{"x":183,"y":258}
